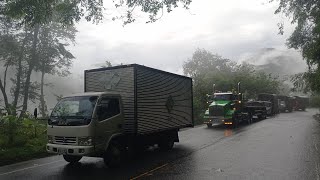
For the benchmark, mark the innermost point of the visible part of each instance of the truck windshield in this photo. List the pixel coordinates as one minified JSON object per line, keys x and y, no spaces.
{"x":72,"y":111}
{"x":223,"y":97}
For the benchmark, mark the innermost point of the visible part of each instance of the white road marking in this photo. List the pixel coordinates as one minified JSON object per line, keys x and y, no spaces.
{"x":35,"y":166}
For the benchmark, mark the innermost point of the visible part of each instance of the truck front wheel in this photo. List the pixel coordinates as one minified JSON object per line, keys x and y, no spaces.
{"x":114,"y":156}
{"x":72,"y":159}
{"x":235,"y":122}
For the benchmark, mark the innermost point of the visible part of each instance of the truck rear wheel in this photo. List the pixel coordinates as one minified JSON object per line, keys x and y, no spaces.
{"x":249,"y":119}
{"x":72,"y":159}
{"x":166,"y":145}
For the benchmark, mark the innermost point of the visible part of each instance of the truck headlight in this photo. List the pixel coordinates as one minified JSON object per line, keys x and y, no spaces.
{"x":50,"y":139}
{"x":85,"y":141}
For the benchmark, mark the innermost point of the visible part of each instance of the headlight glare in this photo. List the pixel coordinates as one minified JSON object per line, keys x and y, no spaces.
{"x":50,"y":139}
{"x":85,"y":141}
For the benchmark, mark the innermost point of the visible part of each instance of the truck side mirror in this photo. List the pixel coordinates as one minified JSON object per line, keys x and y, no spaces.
{"x":35,"y":113}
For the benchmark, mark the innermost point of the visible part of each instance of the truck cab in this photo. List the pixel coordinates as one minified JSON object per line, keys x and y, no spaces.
{"x":80,"y":125}
{"x":222,"y":108}
{"x":228,"y":108}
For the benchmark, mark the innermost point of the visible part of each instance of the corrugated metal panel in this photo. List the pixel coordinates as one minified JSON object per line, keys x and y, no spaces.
{"x":164,"y":100}
{"x":119,"y":81}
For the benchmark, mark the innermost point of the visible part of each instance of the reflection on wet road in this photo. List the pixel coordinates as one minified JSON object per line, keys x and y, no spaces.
{"x":283,"y":147}
{"x":228,"y":132}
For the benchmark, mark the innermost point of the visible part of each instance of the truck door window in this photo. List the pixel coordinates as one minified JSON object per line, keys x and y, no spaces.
{"x":108,"y":108}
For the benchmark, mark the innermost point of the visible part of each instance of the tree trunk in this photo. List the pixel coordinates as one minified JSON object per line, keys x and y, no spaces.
{"x":31,"y":66}
{"x":3,"y":90}
{"x":42,"y":101}
{"x":18,"y":76}
{"x":5,"y":97}
{"x":5,"y":76}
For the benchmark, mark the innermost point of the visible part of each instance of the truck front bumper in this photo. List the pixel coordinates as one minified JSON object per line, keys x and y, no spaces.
{"x":214,"y":120}
{"x":70,"y":149}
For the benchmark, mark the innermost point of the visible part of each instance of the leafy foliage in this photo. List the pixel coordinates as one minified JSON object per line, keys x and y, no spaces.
{"x":16,"y":131}
{"x":21,"y":139}
{"x":315,"y":100}
{"x":306,"y":35}
{"x":69,"y":12}
{"x":34,"y":12}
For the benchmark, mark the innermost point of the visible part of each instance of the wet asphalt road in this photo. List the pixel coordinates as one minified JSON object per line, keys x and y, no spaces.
{"x":282,"y":147}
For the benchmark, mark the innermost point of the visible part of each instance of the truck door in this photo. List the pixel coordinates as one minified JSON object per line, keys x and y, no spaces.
{"x":109,"y":120}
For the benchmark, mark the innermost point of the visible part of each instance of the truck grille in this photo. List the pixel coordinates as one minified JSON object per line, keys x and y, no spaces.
{"x":65,"y":140}
{"x":216,"y":111}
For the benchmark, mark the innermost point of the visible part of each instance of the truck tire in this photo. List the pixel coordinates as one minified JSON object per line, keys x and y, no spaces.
{"x":166,"y":145}
{"x":235,"y":122}
{"x":114,"y":156}
{"x":72,"y":159}
{"x":249,"y":119}
{"x":260,"y":117}
{"x":209,"y":125}
{"x":264,"y":117}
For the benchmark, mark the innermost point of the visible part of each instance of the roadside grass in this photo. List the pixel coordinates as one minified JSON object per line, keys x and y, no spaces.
{"x":316,"y":117}
{"x":21,"y":140}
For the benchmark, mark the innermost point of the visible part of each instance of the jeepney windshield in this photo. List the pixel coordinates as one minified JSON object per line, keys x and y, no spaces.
{"x":73,"y":111}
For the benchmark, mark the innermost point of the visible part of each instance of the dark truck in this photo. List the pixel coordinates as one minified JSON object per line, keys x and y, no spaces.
{"x":273,"y":99}
{"x":301,"y":103}
{"x":285,"y":103}
{"x":124,"y":109}
{"x":258,"y":109}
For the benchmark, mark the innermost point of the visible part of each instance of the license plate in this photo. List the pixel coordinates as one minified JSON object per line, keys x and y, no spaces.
{"x":62,"y":151}
{"x":216,"y":120}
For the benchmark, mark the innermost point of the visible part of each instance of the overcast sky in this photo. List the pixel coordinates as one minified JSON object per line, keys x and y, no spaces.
{"x":231,"y":28}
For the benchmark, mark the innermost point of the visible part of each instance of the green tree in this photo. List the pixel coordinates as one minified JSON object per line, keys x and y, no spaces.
{"x":24,"y":52}
{"x":107,"y":64}
{"x":53,"y":56}
{"x":33,"y":12}
{"x":12,"y":41}
{"x":305,"y":15}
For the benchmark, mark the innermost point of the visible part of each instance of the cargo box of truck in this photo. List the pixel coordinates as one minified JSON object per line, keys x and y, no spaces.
{"x":153,"y":100}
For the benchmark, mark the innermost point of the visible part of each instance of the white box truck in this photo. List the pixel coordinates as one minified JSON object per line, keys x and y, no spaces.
{"x":123,"y":108}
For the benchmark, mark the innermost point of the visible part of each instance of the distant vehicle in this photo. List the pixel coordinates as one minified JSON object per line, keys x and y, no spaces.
{"x":301,"y":103}
{"x":272,"y":98}
{"x":124,"y":108}
{"x":268,"y":106}
{"x":285,"y":103}
{"x":259,"y":109}
{"x":228,"y":108}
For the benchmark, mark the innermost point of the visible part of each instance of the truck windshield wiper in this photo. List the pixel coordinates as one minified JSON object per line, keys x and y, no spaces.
{"x":53,"y":121}
{"x":69,"y":120}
